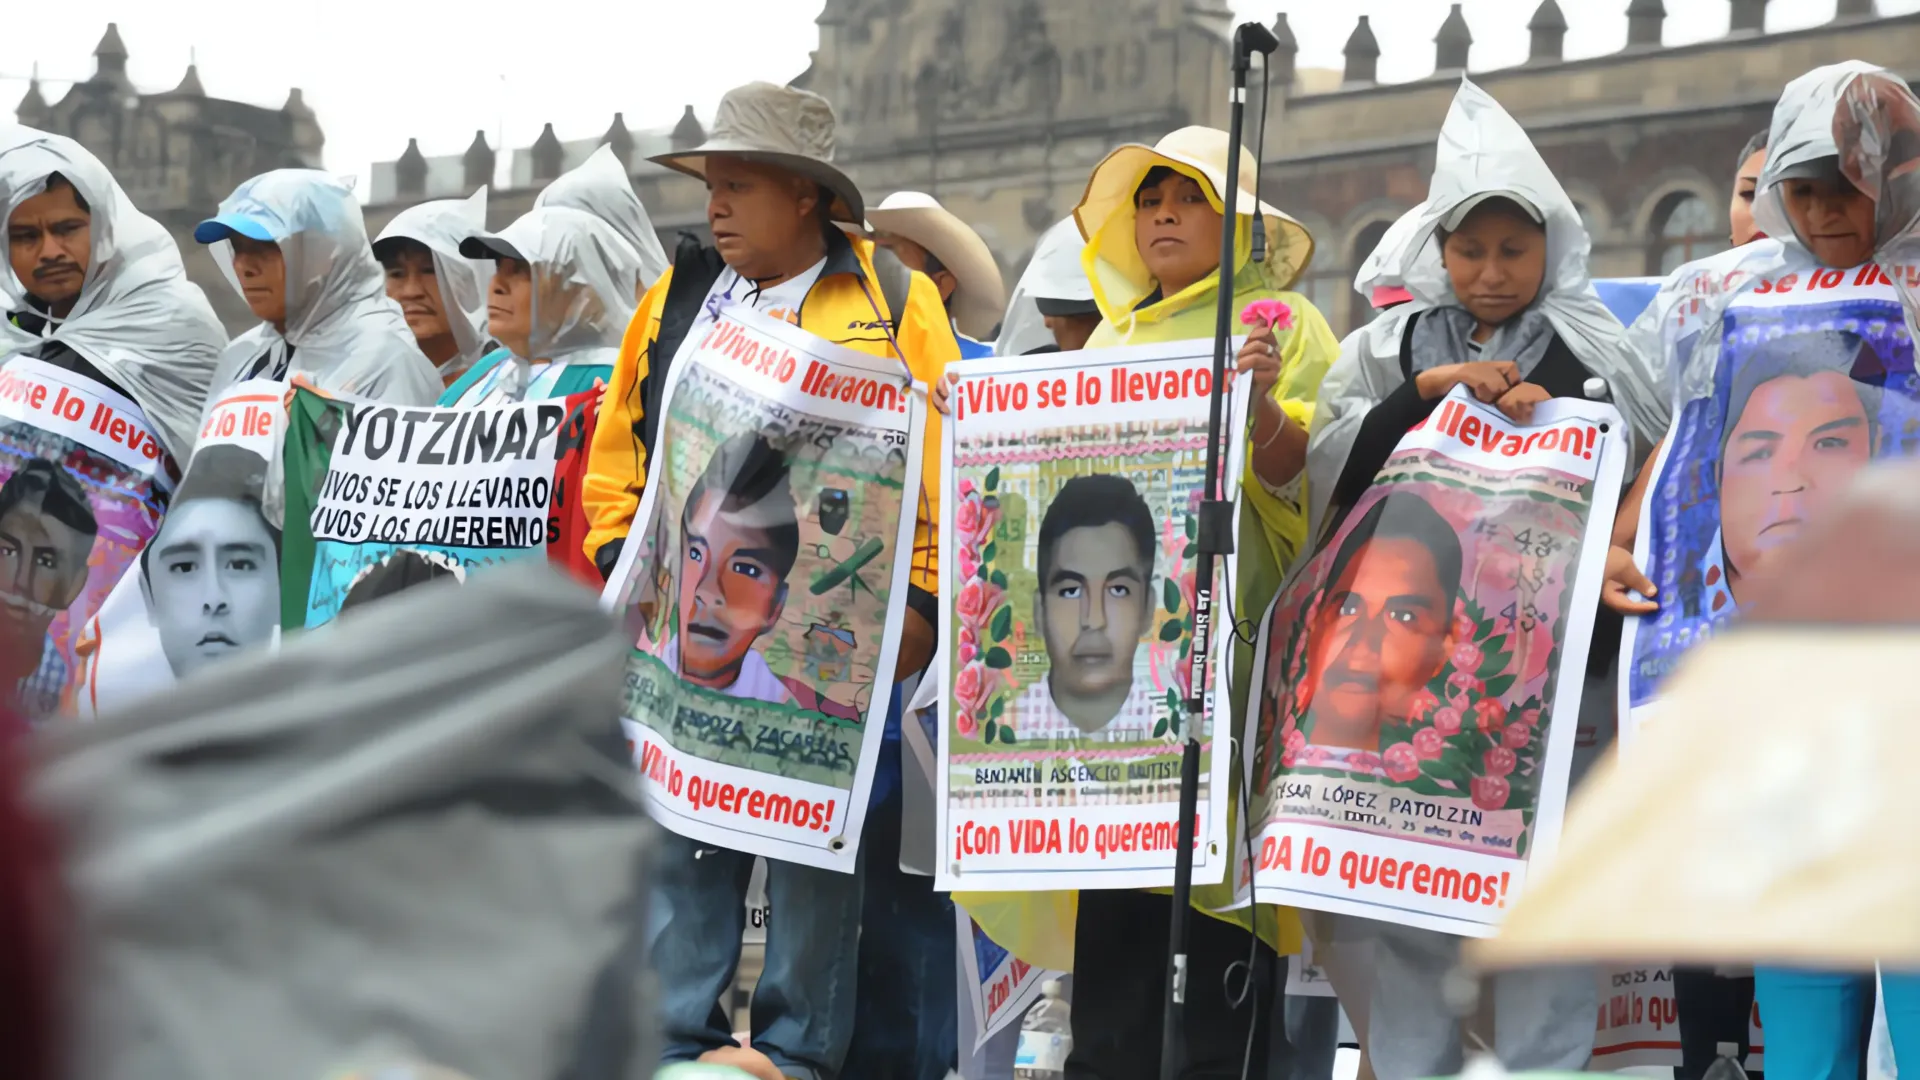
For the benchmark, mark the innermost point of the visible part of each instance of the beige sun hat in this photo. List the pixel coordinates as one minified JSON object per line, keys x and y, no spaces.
{"x":1190,"y":150}
{"x":778,"y":125}
{"x":919,"y":217}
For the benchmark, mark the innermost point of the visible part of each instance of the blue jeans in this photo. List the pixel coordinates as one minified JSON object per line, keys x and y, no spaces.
{"x":803,"y":1005}
{"x":907,"y":1022}
{"x":1816,"y":1022}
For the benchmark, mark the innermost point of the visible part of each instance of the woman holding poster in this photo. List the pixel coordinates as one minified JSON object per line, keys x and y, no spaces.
{"x":1794,"y":368}
{"x":1453,"y":568}
{"x":1152,"y":219}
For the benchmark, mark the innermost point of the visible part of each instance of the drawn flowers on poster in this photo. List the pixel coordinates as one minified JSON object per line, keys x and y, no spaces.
{"x":985,"y":677}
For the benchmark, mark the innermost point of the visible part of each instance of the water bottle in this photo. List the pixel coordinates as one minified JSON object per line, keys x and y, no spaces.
{"x":1726,"y":1063}
{"x":1046,"y":1037}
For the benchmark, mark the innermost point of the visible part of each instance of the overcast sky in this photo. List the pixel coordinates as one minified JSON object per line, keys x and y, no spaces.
{"x":381,"y":71}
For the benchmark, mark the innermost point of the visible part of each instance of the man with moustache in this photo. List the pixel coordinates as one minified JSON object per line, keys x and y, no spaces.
{"x":1384,"y":626}
{"x":47,"y":531}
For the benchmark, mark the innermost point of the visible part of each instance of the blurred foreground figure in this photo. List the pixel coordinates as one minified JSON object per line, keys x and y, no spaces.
{"x":408,"y":839}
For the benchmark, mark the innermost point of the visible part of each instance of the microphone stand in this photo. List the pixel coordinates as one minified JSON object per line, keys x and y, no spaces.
{"x":1214,"y":541}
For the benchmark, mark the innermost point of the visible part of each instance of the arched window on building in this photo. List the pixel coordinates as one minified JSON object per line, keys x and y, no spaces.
{"x":1685,"y":229}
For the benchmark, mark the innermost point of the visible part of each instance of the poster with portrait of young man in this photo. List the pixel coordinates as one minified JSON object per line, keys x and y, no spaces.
{"x":1072,"y":485}
{"x":764,"y":584}
{"x":1417,"y":679}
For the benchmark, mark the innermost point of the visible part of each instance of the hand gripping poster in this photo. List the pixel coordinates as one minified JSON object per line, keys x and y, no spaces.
{"x":1812,"y":378}
{"x":764,"y":584}
{"x":83,"y":485}
{"x":1413,"y":730}
{"x":206,"y":587}
{"x":1072,"y":483}
{"x":380,"y":497}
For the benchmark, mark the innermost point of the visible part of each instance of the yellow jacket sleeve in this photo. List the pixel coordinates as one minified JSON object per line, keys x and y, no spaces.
{"x":926,"y":337}
{"x":616,"y":464}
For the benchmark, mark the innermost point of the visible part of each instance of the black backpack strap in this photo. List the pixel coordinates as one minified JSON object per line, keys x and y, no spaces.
{"x":1406,"y":348}
{"x":695,"y":269}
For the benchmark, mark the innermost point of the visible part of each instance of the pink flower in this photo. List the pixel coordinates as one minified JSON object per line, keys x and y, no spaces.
{"x":977,"y":602}
{"x":972,"y":687}
{"x":968,"y":637}
{"x":1429,"y":744}
{"x":1463,"y":627}
{"x":1530,"y":717}
{"x":1423,"y":706}
{"x":1315,"y":755}
{"x":969,"y":562}
{"x":1403,"y":762}
{"x":1289,"y":758}
{"x":966,"y":487}
{"x":1516,"y":737}
{"x":1187,"y":582}
{"x":1269,"y":312}
{"x":1499,"y":761}
{"x":1467,"y":657}
{"x":967,"y":516}
{"x":1463,"y":682}
{"x":1490,"y":792}
{"x":1490,"y":715}
{"x":968,"y":651}
{"x":1363,"y":762}
{"x":1447,"y":721}
{"x":966,"y":725}
{"x":1294,"y":740}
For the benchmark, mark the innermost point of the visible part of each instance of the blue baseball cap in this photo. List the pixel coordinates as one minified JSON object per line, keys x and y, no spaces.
{"x":224,"y":226}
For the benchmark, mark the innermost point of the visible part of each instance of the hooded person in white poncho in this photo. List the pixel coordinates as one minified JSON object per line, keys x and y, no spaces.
{"x":137,"y":324}
{"x":1496,"y":262}
{"x":601,"y":187}
{"x":293,"y":244}
{"x":1052,"y":308}
{"x":442,"y":294}
{"x":560,"y":299}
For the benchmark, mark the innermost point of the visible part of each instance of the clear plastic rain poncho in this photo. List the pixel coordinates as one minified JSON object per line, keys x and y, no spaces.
{"x":441,"y":226}
{"x":1054,"y":273}
{"x":341,"y":330}
{"x":601,"y":187}
{"x":582,"y":292}
{"x":1481,"y":149}
{"x":1870,"y":120}
{"x":138,"y":319}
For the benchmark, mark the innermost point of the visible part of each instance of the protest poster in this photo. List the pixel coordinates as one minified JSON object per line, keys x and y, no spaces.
{"x":206,"y":583}
{"x":1000,"y":986}
{"x":1811,"y":377}
{"x":764,"y":585}
{"x":1073,"y":483}
{"x":1413,"y":730}
{"x":1639,"y":1022}
{"x":380,"y":497}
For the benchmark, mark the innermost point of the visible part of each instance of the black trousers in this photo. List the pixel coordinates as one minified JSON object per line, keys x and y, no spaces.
{"x":1712,"y":1010}
{"x":1120,"y":987}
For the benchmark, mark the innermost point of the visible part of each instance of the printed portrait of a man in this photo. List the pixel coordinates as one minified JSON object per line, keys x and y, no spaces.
{"x":47,"y":531}
{"x":211,"y":575}
{"x":1095,"y":601}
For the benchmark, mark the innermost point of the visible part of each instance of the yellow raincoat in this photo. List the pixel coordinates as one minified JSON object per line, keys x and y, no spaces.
{"x":1039,"y":927}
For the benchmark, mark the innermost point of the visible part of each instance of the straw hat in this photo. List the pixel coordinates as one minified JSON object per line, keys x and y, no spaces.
{"x":778,"y":125}
{"x":1201,"y":150}
{"x":919,"y":217}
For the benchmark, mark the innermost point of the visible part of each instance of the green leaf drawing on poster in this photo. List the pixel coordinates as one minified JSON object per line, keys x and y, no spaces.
{"x":1193,"y":527}
{"x":1173,"y":699}
{"x":1498,"y":686}
{"x":1175,"y":725}
{"x":999,"y":579}
{"x":999,"y":706}
{"x":1485,"y":627}
{"x":998,"y":657}
{"x":1006,"y":735}
{"x":1160,"y":728}
{"x":987,"y":553}
{"x":993,"y":479}
{"x":1002,"y":624}
{"x":1171,"y":630}
{"x":992,"y":730}
{"x":1521,"y":848}
{"x":1170,"y":594}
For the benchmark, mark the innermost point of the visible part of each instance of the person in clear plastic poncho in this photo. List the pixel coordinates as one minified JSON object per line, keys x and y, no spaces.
{"x":561,"y":297}
{"x":442,"y":293}
{"x":1496,"y":262}
{"x":293,"y":244}
{"x":1151,"y":217}
{"x":1052,"y":307}
{"x":601,"y":187}
{"x":1838,"y":198}
{"x":119,"y":310}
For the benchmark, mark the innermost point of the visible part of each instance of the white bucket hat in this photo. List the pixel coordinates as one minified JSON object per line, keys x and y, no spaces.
{"x":1111,"y":188}
{"x":777,"y":125}
{"x":919,"y":217}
